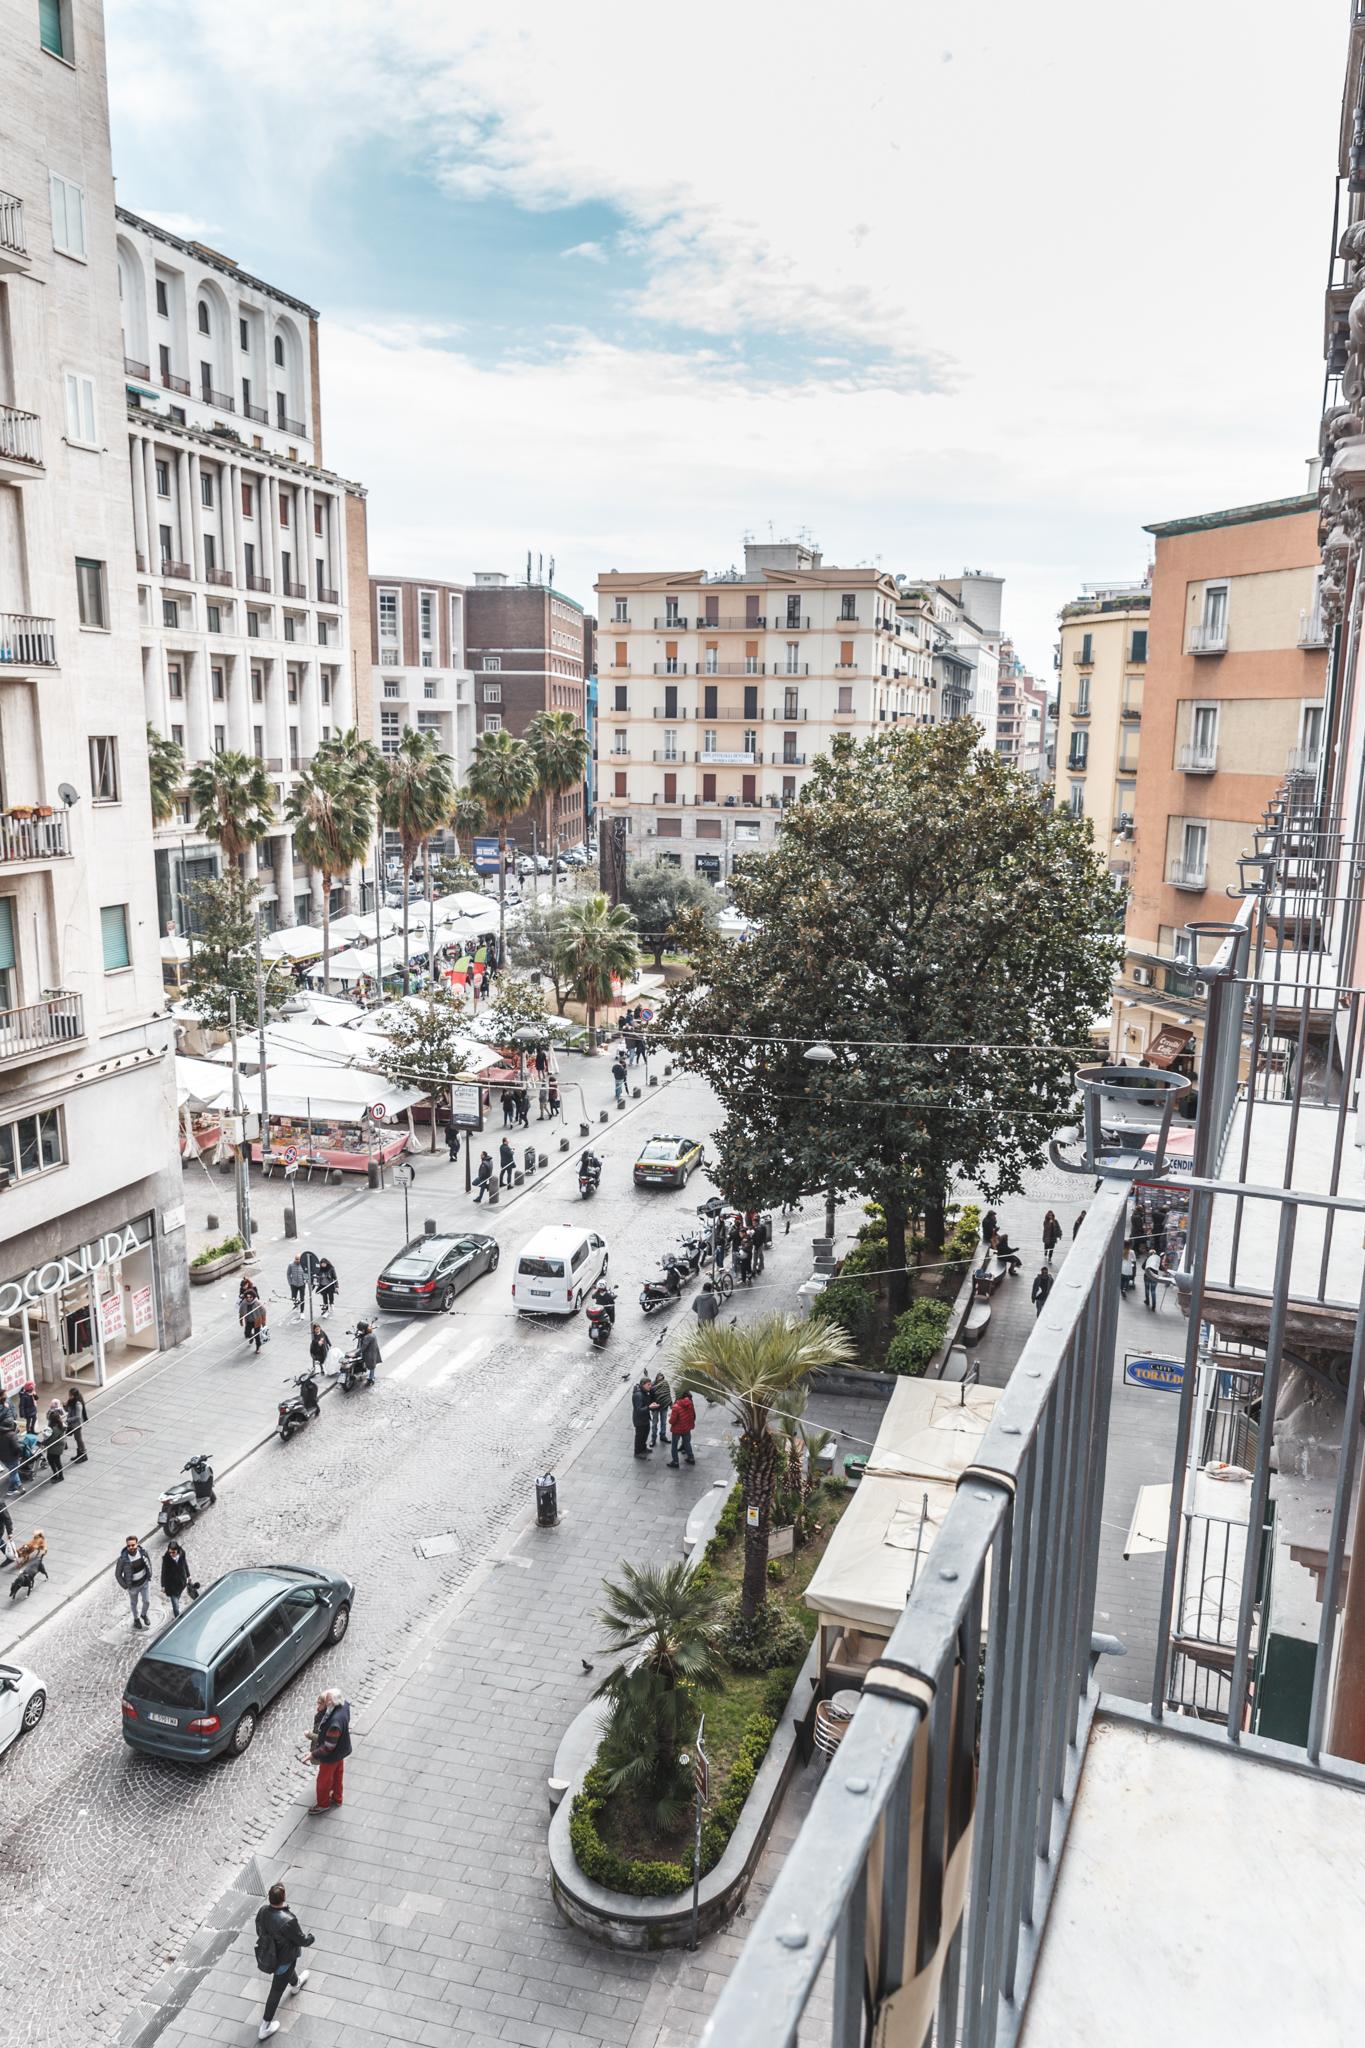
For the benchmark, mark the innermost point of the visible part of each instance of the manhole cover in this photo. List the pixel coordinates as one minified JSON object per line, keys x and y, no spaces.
{"x":438,"y":1546}
{"x":128,"y":1433}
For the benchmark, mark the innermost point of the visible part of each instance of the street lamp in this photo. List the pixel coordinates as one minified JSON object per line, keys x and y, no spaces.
{"x":821,"y":1055}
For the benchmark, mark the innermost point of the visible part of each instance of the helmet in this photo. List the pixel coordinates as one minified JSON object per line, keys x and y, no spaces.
{"x":363,"y":1329}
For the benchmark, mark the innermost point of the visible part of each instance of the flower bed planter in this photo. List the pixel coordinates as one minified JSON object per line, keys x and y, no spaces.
{"x":214,"y":1269}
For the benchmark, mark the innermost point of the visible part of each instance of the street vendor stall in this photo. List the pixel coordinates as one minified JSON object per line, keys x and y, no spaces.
{"x":175,"y":958}
{"x":201,"y":1089}
{"x":331,"y":1116}
{"x":296,"y":943}
{"x":929,"y":1434}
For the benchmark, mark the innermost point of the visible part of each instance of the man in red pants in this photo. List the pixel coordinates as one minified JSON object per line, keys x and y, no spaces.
{"x":329,"y":1748}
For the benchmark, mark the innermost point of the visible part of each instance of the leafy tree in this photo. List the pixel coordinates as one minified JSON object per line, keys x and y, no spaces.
{"x":224,"y":960}
{"x":752,"y":1369}
{"x":924,"y":917}
{"x":595,"y":941}
{"x":517,"y":1006}
{"x":329,"y":810}
{"x":425,"y":1048}
{"x":503,"y":778}
{"x":534,"y":944}
{"x":166,"y":764}
{"x":236,"y":801}
{"x":659,"y":896}
{"x":662,"y":1622}
{"x":445,"y":875}
{"x":559,"y":749}
{"x":416,"y":797}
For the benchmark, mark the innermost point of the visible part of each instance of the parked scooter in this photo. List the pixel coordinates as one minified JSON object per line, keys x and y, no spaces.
{"x":182,"y":1502}
{"x":601,"y":1314}
{"x":657,"y":1294}
{"x":692,"y":1254}
{"x":296,"y":1411}
{"x":351,"y":1372}
{"x":589,"y":1174}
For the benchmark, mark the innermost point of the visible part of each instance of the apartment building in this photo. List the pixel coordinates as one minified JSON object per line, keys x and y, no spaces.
{"x":1021,"y":735}
{"x":968,"y":611}
{"x":526,"y":647}
{"x":717,"y":693}
{"x":92,"y":1273}
{"x":421,"y":674}
{"x":590,"y":718}
{"x":252,"y":582}
{"x":1233,"y":701}
{"x":1103,"y":664}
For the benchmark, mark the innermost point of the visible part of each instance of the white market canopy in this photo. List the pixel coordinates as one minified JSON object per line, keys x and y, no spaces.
{"x":200,"y":1084}
{"x":928,"y":1437}
{"x":467,"y":903}
{"x":174,"y":950}
{"x":328,"y":1094}
{"x":306,"y":1006}
{"x":297,"y":942}
{"x":365,"y":925}
{"x":290,"y":1044}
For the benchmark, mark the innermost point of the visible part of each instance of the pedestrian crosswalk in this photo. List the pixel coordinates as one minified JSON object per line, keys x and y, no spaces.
{"x":428,"y":1357}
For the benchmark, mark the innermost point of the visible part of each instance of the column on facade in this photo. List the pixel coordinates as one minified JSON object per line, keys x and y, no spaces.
{"x":238,"y":667}
{"x":196,"y":518}
{"x":153,"y":510}
{"x":234,"y":476}
{"x":198,"y":709}
{"x":185,"y":546}
{"x":268,"y":513}
{"x":310,"y":708}
{"x":307,"y":542}
{"x":141,"y":527}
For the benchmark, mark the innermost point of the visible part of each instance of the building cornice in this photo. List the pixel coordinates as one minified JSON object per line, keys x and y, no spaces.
{"x":225,"y":447}
{"x":213,"y":260}
{"x":1238,"y":515}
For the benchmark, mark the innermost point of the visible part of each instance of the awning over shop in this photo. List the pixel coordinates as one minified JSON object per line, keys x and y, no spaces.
{"x":1170,"y":1042}
{"x":200,"y":1084}
{"x":298,"y":942}
{"x":328,"y":1094}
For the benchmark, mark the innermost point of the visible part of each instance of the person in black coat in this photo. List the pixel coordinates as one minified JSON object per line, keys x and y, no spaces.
{"x":1040,"y":1290}
{"x":641,"y":1408}
{"x":28,"y":1405}
{"x":327,"y":1283}
{"x":278,"y":1933}
{"x":175,"y":1575}
{"x":75,"y":1417}
{"x":507,"y":1163}
{"x":319,"y":1347}
{"x":54,"y":1441}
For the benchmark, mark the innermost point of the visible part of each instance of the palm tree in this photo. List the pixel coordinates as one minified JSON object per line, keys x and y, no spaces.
{"x":166,"y":766}
{"x":663,"y":1623}
{"x":236,"y":801}
{"x":751,"y":1369}
{"x":593,"y":941}
{"x":329,"y":810}
{"x":559,"y":748}
{"x":416,"y":797}
{"x":503,"y":778}
{"x":467,"y":816}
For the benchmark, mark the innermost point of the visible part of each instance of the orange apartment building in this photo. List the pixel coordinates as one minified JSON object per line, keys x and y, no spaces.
{"x":1233,"y":701}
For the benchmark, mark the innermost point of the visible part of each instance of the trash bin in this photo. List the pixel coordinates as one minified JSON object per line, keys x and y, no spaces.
{"x":547,"y":1501}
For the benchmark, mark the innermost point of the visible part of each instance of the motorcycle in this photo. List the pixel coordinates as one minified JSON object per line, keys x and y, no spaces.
{"x":601,"y":1314}
{"x":297,"y":1410}
{"x":182,"y":1502}
{"x":351,"y":1372}
{"x":657,"y":1294}
{"x":589,"y":1177}
{"x":692,"y":1254}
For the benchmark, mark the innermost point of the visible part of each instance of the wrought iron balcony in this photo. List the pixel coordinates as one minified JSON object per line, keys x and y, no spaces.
{"x":181,"y":385}
{"x":327,"y":595}
{"x":132,"y":368}
{"x":33,"y":833}
{"x":1080,"y":707}
{"x":12,"y":242}
{"x":20,"y":437}
{"x":732,"y":668}
{"x":27,"y":641}
{"x":222,"y":577}
{"x":1303,"y":760}
{"x":219,"y":399}
{"x":258,"y":583}
{"x":255,"y":412}
{"x":732,"y":625}
{"x":37,"y":1028}
{"x":668,"y":625}
{"x":670,"y":668}
{"x":180,"y":570}
{"x":1131,"y":713}
{"x":291,"y":589}
{"x":284,"y":425}
{"x":1083,"y":657}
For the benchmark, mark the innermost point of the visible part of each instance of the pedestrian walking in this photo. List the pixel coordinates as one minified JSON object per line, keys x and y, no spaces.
{"x":133,"y":1570}
{"x":543,"y":1095}
{"x":319,"y":1347}
{"x":76,"y":1417}
{"x":54,"y":1441}
{"x":175,"y":1576}
{"x":681,"y":1422}
{"x":523,"y":1108}
{"x":706,"y":1308}
{"x":328,"y":1747}
{"x":280,"y":1941}
{"x":253,"y":1324}
{"x":483,"y":1177}
{"x":327,"y":1283}
{"x":990,"y":1223}
{"x":1077,"y":1224}
{"x":1052,"y":1235}
{"x":507,"y":1164}
{"x":296,"y":1273}
{"x":1152,"y":1267}
{"x":659,"y":1409}
{"x":28,"y":1405}
{"x":556,"y":1106}
{"x":620,"y":1076}
{"x":1128,"y":1270}
{"x":367,"y":1345}
{"x":641,"y":1398}
{"x":11,"y":1457}
{"x":1041,"y":1289}
{"x":509,"y":1107}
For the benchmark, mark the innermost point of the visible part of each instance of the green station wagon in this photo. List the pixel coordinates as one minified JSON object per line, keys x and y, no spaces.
{"x":204,"y":1682}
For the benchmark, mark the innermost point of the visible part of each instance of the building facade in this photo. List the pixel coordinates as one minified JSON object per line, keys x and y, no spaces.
{"x":1233,"y":702}
{"x":968,"y":611}
{"x":1103,"y":662}
{"x":1022,"y":723}
{"x":252,"y":588}
{"x":717,"y":693}
{"x":421,"y":675}
{"x":526,"y":649}
{"x":92,"y":1271}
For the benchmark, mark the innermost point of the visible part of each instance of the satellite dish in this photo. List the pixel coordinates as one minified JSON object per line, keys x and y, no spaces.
{"x":68,"y":794}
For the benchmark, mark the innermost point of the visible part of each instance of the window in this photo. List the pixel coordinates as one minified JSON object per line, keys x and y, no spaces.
{"x":292,"y":684}
{"x":391,"y":686}
{"x":709,"y":743}
{"x":210,"y":554}
{"x":68,"y":217}
{"x":162,"y":303}
{"x":1082,"y":697}
{"x":166,"y":542}
{"x":789,"y":789}
{"x":288,"y":626}
{"x":1193,"y":848}
{"x":325,"y":687}
{"x":1080,"y":751}
{"x":426,"y":616}
{"x":620,"y":740}
{"x":845,"y":702}
{"x":1215,"y":627}
{"x":491,"y":693}
{"x":104,"y":769}
{"x":114,"y":934}
{"x":793,"y":657}
{"x":170,"y":611}
{"x":248,"y":501}
{"x":175,"y":682}
{"x":750,"y":700}
{"x":748,"y":791}
{"x":751,"y":740}
{"x":620,"y":615}
{"x":216,"y":685}
{"x":205,"y":488}
{"x":178,"y":736}
{"x":492,"y":721}
{"x":324,"y":633}
{"x":163,"y":357}
{"x":1310,"y":735}
{"x":710,"y":701}
{"x":1078,"y":799}
{"x":791,"y":703}
{"x":257,"y":686}
{"x":32,"y":1144}
{"x":794,"y":611}
{"x":284,"y":509}
{"x":789,"y":746}
{"x":845,"y":654}
{"x":317,"y":520}
{"x":708,"y":789}
{"x":619,"y":783}
{"x":1204,"y":731}
{"x":1182,"y":947}
{"x":279,"y":409}
{"x":388,"y":614}
{"x":279,"y":351}
{"x":429,"y":688}
{"x":206,"y":382}
{"x":213,"y":618}
{"x":1138,"y":651}
{"x":220,"y":739}
{"x":80,"y":409}
{"x":90,"y":593}
{"x":244,"y":337}
{"x":163,"y":490}
{"x":492,"y":662}
{"x":620,"y":698}
{"x":253,"y":625}
{"x":670,"y":742}
{"x":54,"y":28}
{"x":294,"y":751}
{"x":258,"y":741}
{"x":710,"y":661}
{"x":848,"y":605}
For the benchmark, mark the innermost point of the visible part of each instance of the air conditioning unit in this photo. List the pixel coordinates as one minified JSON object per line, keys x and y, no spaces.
{"x":1142,"y":976}
{"x":1200,"y":991}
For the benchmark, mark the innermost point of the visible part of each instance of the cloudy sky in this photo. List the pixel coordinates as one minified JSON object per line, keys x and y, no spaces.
{"x":943,"y":287}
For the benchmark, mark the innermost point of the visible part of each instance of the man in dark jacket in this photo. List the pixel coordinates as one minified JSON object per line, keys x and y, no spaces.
{"x":133,"y":1570}
{"x":483,"y":1176}
{"x":279,"y":1932}
{"x":620,"y":1076}
{"x":507,"y":1163}
{"x":641,"y":1402}
{"x":54,"y":1441}
{"x":28,"y":1405}
{"x":367,"y":1344}
{"x":1040,"y":1290}
{"x":329,"y":1748}
{"x":175,"y":1575}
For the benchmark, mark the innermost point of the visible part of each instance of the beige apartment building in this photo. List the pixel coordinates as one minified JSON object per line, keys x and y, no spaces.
{"x":1099,"y":712}
{"x":1233,"y":702}
{"x":716,"y":694}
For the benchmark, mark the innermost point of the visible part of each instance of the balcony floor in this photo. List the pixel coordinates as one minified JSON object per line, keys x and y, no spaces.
{"x":1314,"y":1145}
{"x":1204,"y":1897}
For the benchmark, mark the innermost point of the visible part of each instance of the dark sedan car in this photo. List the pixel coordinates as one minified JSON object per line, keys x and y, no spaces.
{"x":428,"y":1273}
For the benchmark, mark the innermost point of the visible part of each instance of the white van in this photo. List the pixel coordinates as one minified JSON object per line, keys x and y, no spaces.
{"x":556,"y":1269}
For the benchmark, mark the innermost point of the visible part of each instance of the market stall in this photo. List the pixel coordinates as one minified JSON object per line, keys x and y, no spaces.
{"x":331,"y":1116}
{"x":201,"y":1089}
{"x":1161,"y":1207}
{"x":296,"y":944}
{"x":175,"y":958}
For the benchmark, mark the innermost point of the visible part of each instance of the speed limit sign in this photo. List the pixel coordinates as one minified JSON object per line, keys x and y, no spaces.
{"x":379,"y":1111}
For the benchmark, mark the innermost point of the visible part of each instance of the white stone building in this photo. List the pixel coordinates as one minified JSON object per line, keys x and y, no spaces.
{"x":421,"y":674}
{"x":92,"y":1240}
{"x":252,"y":581}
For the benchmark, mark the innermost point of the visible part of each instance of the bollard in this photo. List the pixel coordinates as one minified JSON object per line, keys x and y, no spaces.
{"x":518,"y":1177}
{"x":291,"y":1223}
{"x":584,"y":1130}
{"x":543,"y":1159}
{"x":547,"y":1501}
{"x":429,"y":1225}
{"x":334,"y":1176}
{"x":210,"y":1222}
{"x":653,"y":1080}
{"x":372,"y":1173}
{"x":601,"y":1116}
{"x":255,"y":1226}
{"x":637,"y":1093}
{"x":563,"y":1144}
{"x":227,"y":1168}
{"x":492,"y":1194}
{"x":528,"y":1159}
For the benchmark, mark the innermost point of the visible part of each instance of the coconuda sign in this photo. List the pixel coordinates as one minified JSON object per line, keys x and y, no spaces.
{"x":64,"y":1272}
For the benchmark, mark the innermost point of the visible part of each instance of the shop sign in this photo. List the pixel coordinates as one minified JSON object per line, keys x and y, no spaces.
{"x":143,"y":1312}
{"x":466,"y":1105}
{"x":12,"y":1370}
{"x":111,"y":1314}
{"x":65,"y":1272}
{"x":1166,"y":1373}
{"x":173,"y":1219}
{"x":486,"y":856}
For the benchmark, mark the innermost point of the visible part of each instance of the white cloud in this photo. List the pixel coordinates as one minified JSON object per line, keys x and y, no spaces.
{"x":591,"y":252}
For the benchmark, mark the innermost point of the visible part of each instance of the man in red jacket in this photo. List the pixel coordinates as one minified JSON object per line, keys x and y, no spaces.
{"x":682,"y":1420}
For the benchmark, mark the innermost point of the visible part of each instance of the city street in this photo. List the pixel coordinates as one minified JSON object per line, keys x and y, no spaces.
{"x":111,"y":1860}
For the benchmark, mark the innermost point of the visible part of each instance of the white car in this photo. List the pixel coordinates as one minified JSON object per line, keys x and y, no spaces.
{"x":23,"y":1702}
{"x":556,"y":1268}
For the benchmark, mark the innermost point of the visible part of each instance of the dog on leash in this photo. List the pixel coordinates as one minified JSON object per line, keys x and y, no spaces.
{"x":23,"y":1581}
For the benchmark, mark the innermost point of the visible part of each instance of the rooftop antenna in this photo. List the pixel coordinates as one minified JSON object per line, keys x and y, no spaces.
{"x":540,"y":568}
{"x":552,"y":569}
{"x":528,"y":568}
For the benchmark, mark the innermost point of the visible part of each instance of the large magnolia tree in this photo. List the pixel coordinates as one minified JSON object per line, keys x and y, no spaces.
{"x":926,"y":918}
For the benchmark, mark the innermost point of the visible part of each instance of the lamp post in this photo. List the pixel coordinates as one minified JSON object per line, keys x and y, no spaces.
{"x":821,"y":1055}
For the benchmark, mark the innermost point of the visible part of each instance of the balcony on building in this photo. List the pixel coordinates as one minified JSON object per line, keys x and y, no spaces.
{"x":668,"y":760}
{"x":21,"y":442}
{"x":1080,"y":707}
{"x":678,"y":717}
{"x":1313,"y":628}
{"x":221,"y":577}
{"x":180,"y":385}
{"x":671,"y":624}
{"x":291,"y":589}
{"x":1210,"y":638}
{"x":257,"y":413}
{"x":752,"y":667}
{"x":1130,"y":711}
{"x":33,"y":833}
{"x":180,"y":570}
{"x":326,"y":595}
{"x":1084,"y":657}
{"x":37,"y":1028}
{"x":285,"y":425}
{"x":1198,"y":760}
{"x":1188,"y":874}
{"x":261,"y":583}
{"x":133,"y":368}
{"x":220,"y":400}
{"x":670,"y":668}
{"x":729,"y":624}
{"x":27,"y":641}
{"x":13,"y":243}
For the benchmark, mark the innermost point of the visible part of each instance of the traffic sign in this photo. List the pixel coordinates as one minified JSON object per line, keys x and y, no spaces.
{"x":1165,"y":1373}
{"x":404,"y":1173}
{"x":379,"y":1111}
{"x":291,"y":1153}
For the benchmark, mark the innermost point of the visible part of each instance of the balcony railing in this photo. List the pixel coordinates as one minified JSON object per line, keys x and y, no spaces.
{"x":732,"y":625}
{"x":728,"y":717}
{"x":1313,"y":628}
{"x":26,"y":641}
{"x":1131,"y":713}
{"x":669,"y":760}
{"x":1303,"y":760}
{"x":219,"y":399}
{"x":668,"y":625}
{"x":284,"y":425}
{"x":670,"y":668}
{"x":678,"y":717}
{"x":222,"y":577}
{"x":255,"y":412}
{"x":1083,"y":658}
{"x":37,"y":1027}
{"x":1198,"y":760}
{"x":25,"y":835}
{"x":180,"y":570}
{"x":290,"y":589}
{"x":12,"y":240}
{"x":258,"y":583}
{"x":791,"y":625}
{"x":20,"y":436}
{"x":177,"y":384}
{"x":1080,"y":707}
{"x":1210,"y":638}
{"x":788,"y":760}
{"x":1188,"y":874}
{"x":132,"y":368}
{"x":327,"y":595}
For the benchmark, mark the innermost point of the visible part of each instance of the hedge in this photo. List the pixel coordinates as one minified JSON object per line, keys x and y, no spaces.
{"x":847,"y":1302}
{"x":919,"y":1333}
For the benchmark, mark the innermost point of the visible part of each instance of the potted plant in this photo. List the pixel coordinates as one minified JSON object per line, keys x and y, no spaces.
{"x":215,"y":1260}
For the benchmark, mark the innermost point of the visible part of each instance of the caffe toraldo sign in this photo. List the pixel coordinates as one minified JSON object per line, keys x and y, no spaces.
{"x":78,"y":1265}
